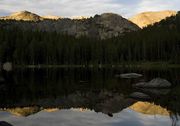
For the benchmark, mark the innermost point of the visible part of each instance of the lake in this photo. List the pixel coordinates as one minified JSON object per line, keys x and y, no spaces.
{"x":87,"y":97}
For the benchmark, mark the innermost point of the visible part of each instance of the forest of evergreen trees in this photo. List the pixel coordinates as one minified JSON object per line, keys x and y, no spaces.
{"x":160,"y":42}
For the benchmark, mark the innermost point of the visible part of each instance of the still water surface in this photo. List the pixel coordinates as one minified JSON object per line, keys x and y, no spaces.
{"x":87,"y":96}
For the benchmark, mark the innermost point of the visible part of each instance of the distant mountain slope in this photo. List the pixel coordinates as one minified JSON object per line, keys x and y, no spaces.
{"x":102,"y":26}
{"x":149,"y":18}
{"x":79,"y":17}
{"x":23,"y":15}
{"x":51,"y":17}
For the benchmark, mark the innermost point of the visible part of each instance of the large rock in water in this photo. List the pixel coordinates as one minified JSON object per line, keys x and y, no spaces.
{"x":155,"y":83}
{"x":140,"y":95}
{"x":7,"y":66}
{"x":129,"y":75}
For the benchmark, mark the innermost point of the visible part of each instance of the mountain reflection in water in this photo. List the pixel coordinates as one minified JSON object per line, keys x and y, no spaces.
{"x":83,"y":96}
{"x":77,"y":117}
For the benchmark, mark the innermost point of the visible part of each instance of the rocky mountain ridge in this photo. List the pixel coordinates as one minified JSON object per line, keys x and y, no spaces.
{"x":102,"y":26}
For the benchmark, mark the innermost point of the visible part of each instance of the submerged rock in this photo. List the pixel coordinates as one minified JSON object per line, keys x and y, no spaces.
{"x":140,"y":95}
{"x":155,"y":83}
{"x":129,"y":75}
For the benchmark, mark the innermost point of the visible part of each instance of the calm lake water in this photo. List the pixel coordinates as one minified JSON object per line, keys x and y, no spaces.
{"x":87,"y":97}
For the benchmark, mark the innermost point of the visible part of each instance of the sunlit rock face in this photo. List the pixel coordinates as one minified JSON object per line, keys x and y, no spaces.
{"x":23,"y":15}
{"x":149,"y":108}
{"x":149,"y":18}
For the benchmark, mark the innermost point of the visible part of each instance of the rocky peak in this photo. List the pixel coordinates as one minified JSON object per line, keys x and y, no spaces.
{"x":149,"y":18}
{"x":23,"y":15}
{"x":111,"y":24}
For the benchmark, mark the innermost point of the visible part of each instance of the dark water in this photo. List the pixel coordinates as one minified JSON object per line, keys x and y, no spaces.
{"x":87,"y":96}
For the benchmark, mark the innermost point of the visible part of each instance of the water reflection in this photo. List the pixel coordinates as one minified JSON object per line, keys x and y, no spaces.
{"x":98,"y":93}
{"x":77,"y":117}
{"x":149,"y":108}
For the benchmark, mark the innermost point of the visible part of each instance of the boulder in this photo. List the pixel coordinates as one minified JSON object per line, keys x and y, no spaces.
{"x":155,"y":83}
{"x":7,"y":66}
{"x":129,"y":75}
{"x":140,"y":95}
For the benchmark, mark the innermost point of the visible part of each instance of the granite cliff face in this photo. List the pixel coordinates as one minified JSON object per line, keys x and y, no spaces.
{"x":149,"y":18}
{"x":102,"y":26}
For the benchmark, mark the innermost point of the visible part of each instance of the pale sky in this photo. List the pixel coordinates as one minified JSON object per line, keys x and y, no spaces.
{"x":69,"y":8}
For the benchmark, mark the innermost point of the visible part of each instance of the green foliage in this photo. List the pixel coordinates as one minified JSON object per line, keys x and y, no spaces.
{"x":160,"y":42}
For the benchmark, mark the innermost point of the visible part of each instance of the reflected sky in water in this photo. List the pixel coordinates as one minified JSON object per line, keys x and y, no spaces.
{"x":74,"y":117}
